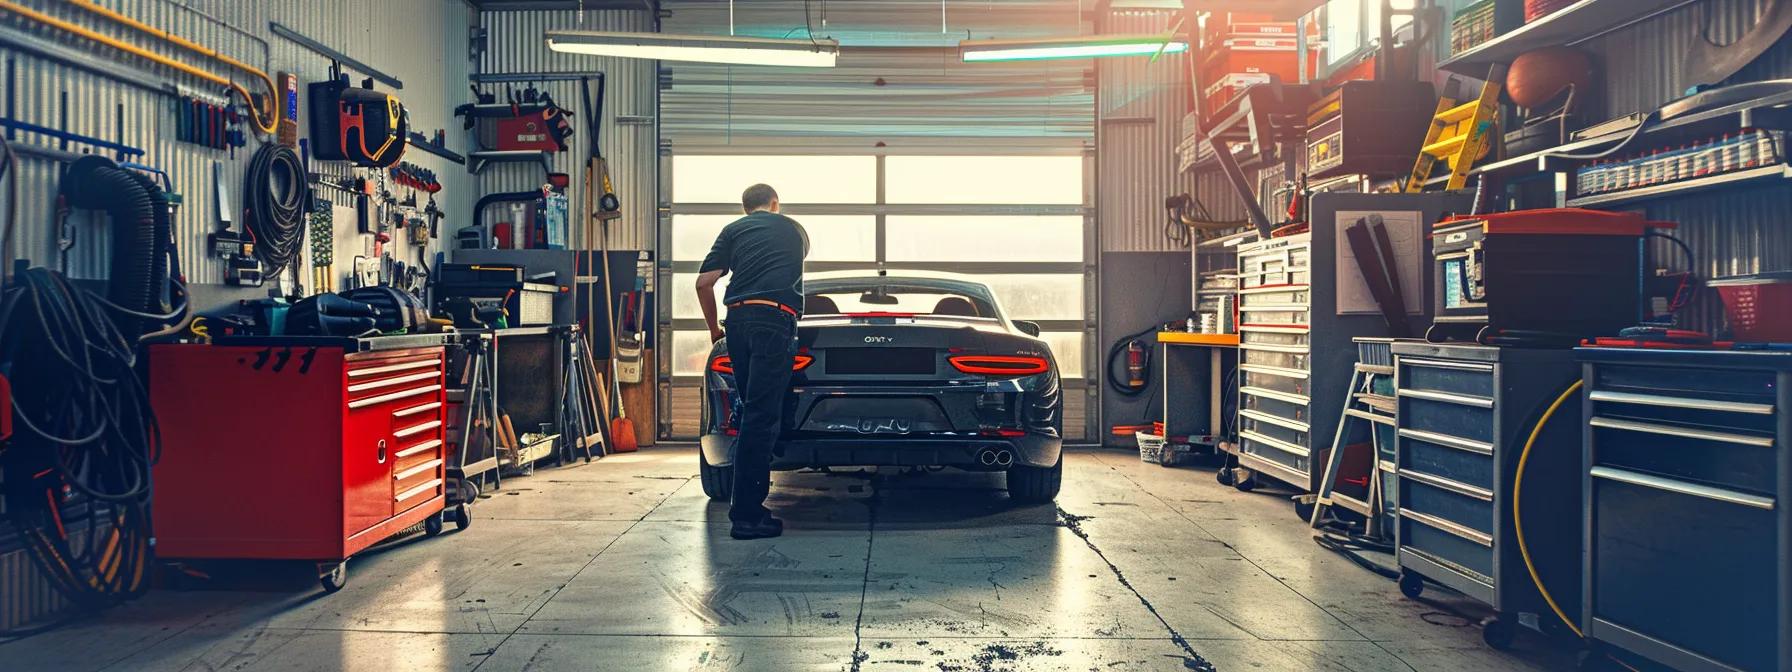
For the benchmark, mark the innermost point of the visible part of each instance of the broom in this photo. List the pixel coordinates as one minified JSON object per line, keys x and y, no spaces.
{"x":622,"y":429}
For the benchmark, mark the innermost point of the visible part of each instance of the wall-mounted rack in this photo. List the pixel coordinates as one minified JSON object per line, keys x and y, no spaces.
{"x":334,"y":55}
{"x":1569,"y":26}
{"x":417,"y":140}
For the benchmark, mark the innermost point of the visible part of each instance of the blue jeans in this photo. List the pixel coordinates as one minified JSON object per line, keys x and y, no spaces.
{"x":762,"y":344}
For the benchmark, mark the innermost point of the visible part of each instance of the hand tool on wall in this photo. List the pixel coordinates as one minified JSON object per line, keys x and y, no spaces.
{"x":608,"y":206}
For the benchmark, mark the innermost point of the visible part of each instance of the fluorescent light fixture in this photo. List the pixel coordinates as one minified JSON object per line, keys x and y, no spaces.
{"x":974,"y":51}
{"x":697,"y":48}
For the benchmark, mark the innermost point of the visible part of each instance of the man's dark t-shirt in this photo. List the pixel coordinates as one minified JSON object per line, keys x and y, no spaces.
{"x":764,"y":251}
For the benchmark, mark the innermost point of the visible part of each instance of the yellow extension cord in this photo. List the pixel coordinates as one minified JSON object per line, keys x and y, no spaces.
{"x":256,"y":114}
{"x":1517,"y":519}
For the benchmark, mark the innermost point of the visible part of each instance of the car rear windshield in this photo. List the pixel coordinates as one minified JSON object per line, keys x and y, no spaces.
{"x":895,"y":299}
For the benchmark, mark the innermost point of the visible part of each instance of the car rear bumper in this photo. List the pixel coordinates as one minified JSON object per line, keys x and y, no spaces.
{"x":807,"y":452}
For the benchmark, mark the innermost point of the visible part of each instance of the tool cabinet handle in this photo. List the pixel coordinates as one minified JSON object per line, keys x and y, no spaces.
{"x":1272,"y":347}
{"x":393,"y":381}
{"x":380,"y":451}
{"x":1277,"y":444}
{"x":1438,"y":364}
{"x":363,"y":403}
{"x":1446,"y":397}
{"x":413,"y":471}
{"x":1465,"y":532}
{"x":1665,"y":430}
{"x":417,"y":429}
{"x":356,"y":373}
{"x":1275,"y":420}
{"x":419,"y":448}
{"x":413,"y":492}
{"x":417,"y":409}
{"x":1448,"y":441}
{"x":1278,"y":396}
{"x":1692,"y":489}
{"x":1273,"y":371}
{"x":1441,"y":483}
{"x":1681,"y":402}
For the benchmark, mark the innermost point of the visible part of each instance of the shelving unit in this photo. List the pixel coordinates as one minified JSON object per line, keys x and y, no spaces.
{"x":1279,"y":10}
{"x":1577,"y":23}
{"x":1683,"y":187}
{"x":417,"y":140}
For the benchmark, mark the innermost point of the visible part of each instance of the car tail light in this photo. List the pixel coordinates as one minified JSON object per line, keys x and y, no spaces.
{"x":725,"y":364}
{"x":1000,"y":365}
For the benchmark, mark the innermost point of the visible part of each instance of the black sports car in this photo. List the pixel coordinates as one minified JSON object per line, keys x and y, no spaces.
{"x":911,"y":369}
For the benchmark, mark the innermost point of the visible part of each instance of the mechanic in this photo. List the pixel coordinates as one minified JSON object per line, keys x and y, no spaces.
{"x":764,"y":250}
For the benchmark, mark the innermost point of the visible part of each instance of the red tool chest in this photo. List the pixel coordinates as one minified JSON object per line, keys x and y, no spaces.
{"x":296,"y":448}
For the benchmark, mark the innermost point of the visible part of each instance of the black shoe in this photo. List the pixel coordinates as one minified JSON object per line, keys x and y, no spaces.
{"x":764,"y":529}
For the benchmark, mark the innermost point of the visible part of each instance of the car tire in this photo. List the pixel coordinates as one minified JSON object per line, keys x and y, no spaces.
{"x":718,"y":482}
{"x":1036,"y":485}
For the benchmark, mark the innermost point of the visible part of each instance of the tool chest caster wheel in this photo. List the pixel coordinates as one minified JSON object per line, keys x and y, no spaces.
{"x":1499,"y":634}
{"x":1224,"y":476}
{"x":1304,"y":509}
{"x":333,"y":577}
{"x":463,"y":517}
{"x":1411,"y":585}
{"x":432,"y":525}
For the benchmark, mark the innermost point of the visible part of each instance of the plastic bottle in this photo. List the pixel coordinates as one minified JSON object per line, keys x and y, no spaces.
{"x":1726,"y":154}
{"x":1745,"y":150}
{"x":1670,"y":166}
{"x":1765,"y":149}
{"x":1686,"y":154}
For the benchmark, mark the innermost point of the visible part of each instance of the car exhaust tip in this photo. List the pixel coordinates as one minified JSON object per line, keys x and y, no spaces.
{"x":1004,"y":458}
{"x":987,"y":457}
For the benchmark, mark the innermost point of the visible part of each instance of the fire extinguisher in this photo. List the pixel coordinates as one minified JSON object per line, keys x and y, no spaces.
{"x":1135,"y":363}
{"x":1138,"y":364}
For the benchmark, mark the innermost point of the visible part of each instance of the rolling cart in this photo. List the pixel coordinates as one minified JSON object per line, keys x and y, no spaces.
{"x":336,"y":446}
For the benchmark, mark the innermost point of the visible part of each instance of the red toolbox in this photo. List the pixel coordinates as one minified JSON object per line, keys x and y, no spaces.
{"x":299,"y":448}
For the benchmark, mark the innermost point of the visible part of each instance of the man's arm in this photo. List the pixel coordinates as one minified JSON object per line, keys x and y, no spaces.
{"x":706,"y":297}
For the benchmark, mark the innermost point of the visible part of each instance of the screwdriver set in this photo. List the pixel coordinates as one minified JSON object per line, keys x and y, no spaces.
{"x":208,"y":124}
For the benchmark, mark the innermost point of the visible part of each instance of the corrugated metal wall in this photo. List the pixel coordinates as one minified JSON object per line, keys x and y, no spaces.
{"x":426,"y":55}
{"x":631,"y":149}
{"x":1141,"y":103}
{"x":421,"y":42}
{"x":1730,"y":232}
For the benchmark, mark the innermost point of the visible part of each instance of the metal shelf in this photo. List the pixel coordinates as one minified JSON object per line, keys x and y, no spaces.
{"x":1683,"y":187}
{"x":1279,"y":10}
{"x":1569,"y":26}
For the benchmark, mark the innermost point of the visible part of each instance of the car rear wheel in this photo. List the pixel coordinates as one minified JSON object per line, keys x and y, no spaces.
{"x":718,"y":482}
{"x":1036,"y":485}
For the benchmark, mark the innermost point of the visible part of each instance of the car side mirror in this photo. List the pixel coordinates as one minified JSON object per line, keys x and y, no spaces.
{"x":1029,"y":328}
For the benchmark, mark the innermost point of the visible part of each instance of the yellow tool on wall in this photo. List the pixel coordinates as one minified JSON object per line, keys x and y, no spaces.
{"x":1461,"y":132}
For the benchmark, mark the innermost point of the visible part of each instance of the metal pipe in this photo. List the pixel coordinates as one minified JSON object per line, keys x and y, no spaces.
{"x":256,"y":114}
{"x":267,"y":50}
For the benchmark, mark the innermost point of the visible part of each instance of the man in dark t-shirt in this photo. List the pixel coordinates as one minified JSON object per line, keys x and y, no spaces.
{"x":764,"y":250}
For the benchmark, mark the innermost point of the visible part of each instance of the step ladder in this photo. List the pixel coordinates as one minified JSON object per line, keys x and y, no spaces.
{"x":1362,"y":404}
{"x":1460,"y":131}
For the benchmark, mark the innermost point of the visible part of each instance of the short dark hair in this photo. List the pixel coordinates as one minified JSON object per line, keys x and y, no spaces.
{"x":757,"y":197}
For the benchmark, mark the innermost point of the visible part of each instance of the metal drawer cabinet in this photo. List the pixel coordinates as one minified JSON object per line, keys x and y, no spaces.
{"x":1683,"y":465}
{"x":1464,"y":413}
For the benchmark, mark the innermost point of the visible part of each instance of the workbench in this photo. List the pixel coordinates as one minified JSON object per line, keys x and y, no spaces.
{"x":1194,"y":369}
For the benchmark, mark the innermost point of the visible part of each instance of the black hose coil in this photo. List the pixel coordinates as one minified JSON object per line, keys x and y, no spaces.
{"x":275,"y":197}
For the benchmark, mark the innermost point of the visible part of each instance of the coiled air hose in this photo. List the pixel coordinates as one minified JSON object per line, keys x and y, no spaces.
{"x":275,"y":196}
{"x":1118,"y":384}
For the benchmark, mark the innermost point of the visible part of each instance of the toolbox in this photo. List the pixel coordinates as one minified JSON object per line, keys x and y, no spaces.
{"x":1296,"y":353}
{"x":1368,"y":127}
{"x":1464,"y":415}
{"x":342,"y":449}
{"x":1562,"y":274}
{"x":1684,"y":461}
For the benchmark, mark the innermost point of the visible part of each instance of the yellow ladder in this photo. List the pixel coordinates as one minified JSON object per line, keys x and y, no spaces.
{"x":1460,"y":132}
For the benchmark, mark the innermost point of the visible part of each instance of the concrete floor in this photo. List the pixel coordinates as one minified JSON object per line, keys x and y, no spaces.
{"x":622,"y":564}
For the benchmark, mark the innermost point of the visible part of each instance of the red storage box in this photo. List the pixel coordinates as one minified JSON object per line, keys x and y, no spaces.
{"x":1759,"y":306}
{"x":1276,"y":56}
